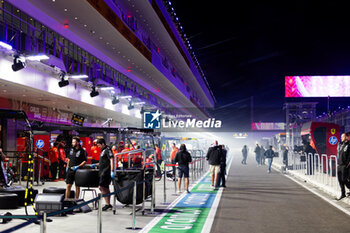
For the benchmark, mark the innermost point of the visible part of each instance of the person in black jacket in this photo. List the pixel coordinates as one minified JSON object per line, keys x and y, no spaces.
{"x":269,"y":154}
{"x":183,"y":158}
{"x":222,"y":173}
{"x":343,"y":163}
{"x":214,"y":156}
{"x":76,"y":159}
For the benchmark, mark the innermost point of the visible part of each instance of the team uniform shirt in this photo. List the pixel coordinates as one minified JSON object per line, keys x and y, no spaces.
{"x":124,"y":157}
{"x":173,"y":153}
{"x":53,"y":155}
{"x":76,"y":157}
{"x":95,"y":153}
{"x":105,"y":164}
{"x":158,"y":153}
{"x":62,"y":154}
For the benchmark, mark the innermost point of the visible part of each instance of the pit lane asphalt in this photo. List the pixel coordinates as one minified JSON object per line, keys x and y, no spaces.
{"x":256,"y":201}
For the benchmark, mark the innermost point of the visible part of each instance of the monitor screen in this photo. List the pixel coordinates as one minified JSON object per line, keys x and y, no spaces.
{"x":317,"y":86}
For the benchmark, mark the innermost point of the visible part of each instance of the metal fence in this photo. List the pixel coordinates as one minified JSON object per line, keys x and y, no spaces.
{"x":320,"y":170}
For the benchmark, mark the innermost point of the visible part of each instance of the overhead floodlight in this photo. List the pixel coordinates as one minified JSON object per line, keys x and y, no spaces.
{"x":94,"y":93}
{"x":18,"y":64}
{"x":140,"y":103}
{"x":5,"y":46}
{"x":38,"y":57}
{"x":125,"y":97}
{"x":115,"y":100}
{"x":78,"y":76}
{"x":64,"y":82}
{"x":142,"y":110}
{"x":131,"y":107}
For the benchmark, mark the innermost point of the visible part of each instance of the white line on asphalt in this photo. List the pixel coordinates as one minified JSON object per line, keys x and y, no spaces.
{"x":211,"y":216}
{"x":320,"y":195}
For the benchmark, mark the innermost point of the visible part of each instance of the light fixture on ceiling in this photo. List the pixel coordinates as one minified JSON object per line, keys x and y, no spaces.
{"x":107,"y":88}
{"x":64,"y":81}
{"x":18,"y":64}
{"x":125,"y":97}
{"x":38,"y":57}
{"x":94,"y":93}
{"x":5,"y":46}
{"x":78,"y":76}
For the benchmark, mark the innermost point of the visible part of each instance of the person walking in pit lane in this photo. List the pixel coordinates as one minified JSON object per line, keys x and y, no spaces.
{"x":214,"y":156}
{"x":244,"y":154}
{"x":257,"y":154}
{"x":269,"y":154}
{"x":183,"y":158}
{"x":106,"y":171}
{"x":76,"y":159}
{"x":222,"y":179}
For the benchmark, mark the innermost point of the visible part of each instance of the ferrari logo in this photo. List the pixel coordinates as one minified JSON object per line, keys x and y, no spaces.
{"x":333,"y":131}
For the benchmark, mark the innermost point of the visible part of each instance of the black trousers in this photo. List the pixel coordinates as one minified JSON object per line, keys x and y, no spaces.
{"x":53,"y":170}
{"x":343,"y":174}
{"x":62,"y":169}
{"x":222,"y":174}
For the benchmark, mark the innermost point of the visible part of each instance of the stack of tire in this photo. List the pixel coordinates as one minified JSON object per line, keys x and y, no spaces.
{"x":12,"y":197}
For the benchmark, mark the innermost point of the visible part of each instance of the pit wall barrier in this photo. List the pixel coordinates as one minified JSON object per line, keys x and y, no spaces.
{"x":318,"y":170}
{"x":198,"y":167}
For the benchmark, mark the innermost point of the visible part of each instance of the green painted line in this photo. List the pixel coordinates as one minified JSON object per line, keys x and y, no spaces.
{"x":203,"y":188}
{"x":182,"y":220}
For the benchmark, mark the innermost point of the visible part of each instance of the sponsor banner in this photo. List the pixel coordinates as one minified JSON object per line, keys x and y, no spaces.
{"x":317,"y":86}
{"x":268,"y":126}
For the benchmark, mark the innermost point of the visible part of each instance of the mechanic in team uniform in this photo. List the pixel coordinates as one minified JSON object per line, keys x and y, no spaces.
{"x":106,"y":171}
{"x":76,"y":159}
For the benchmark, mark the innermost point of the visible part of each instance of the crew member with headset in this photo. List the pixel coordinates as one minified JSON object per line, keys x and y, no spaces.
{"x":106,"y":171}
{"x":76,"y":159}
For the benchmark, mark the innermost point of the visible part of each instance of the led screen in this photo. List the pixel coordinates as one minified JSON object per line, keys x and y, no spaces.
{"x":317,"y":86}
{"x":268,"y":126}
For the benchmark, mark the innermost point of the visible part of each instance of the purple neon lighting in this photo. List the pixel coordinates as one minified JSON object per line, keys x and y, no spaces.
{"x":317,"y":86}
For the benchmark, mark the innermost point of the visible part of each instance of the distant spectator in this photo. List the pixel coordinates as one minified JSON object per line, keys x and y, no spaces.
{"x":257,"y":154}
{"x":262,"y":156}
{"x":244,"y":154}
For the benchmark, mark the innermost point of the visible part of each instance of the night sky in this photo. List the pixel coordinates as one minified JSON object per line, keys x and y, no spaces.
{"x":247,"y":48}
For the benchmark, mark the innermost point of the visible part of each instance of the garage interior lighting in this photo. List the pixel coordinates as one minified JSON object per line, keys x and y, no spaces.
{"x":78,"y":76}
{"x":125,"y":97}
{"x":5,"y":46}
{"x":37,"y":57}
{"x":106,"y":88}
